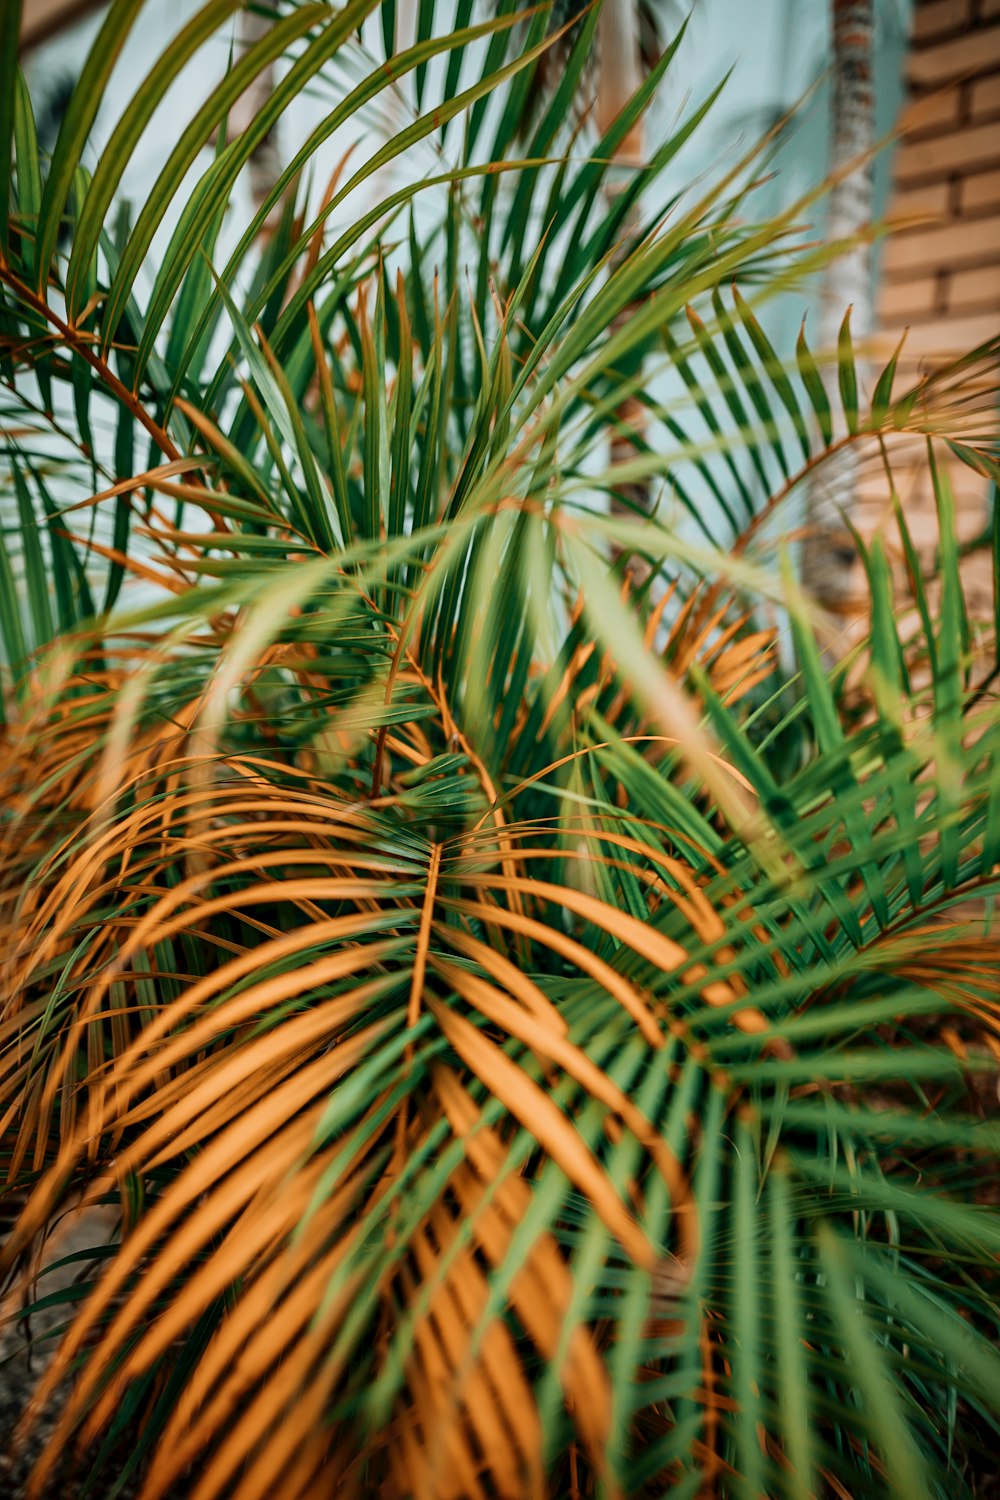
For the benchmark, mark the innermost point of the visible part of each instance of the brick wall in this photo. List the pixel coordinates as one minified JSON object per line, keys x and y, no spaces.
{"x":941,"y":276}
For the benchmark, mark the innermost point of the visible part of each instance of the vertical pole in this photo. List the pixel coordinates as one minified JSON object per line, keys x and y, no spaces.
{"x":828,"y":553}
{"x":619,"y":78}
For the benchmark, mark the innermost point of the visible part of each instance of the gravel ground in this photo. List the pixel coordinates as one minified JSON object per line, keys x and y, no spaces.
{"x":22,"y":1364}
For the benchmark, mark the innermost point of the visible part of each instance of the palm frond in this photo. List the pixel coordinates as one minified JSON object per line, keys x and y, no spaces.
{"x":515,"y":1069}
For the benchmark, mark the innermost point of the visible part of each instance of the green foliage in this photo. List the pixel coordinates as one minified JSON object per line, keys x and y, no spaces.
{"x":536,"y":1042}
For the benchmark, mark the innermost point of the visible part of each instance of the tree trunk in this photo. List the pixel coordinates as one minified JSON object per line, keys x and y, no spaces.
{"x":621,"y":72}
{"x":620,"y":76}
{"x":265,"y":162}
{"x":828,"y":551}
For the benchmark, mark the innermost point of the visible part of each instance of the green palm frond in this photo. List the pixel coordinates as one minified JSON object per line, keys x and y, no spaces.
{"x":517,"y":1072}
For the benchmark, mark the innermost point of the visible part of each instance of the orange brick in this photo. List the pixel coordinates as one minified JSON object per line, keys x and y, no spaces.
{"x":985,"y":96}
{"x":966,"y":484}
{"x":957,"y":243}
{"x":906,"y":300}
{"x":960,"y":151}
{"x":922,"y":524}
{"x":926,"y":298}
{"x":978,"y":288}
{"x":910,"y":452}
{"x":939,"y":17}
{"x":980,"y":191}
{"x":947,"y":337}
{"x":974,"y":52}
{"x":927,"y":202}
{"x":939,"y":110}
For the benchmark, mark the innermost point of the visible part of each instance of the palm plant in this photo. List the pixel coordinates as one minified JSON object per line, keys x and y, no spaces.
{"x":532,"y":1039}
